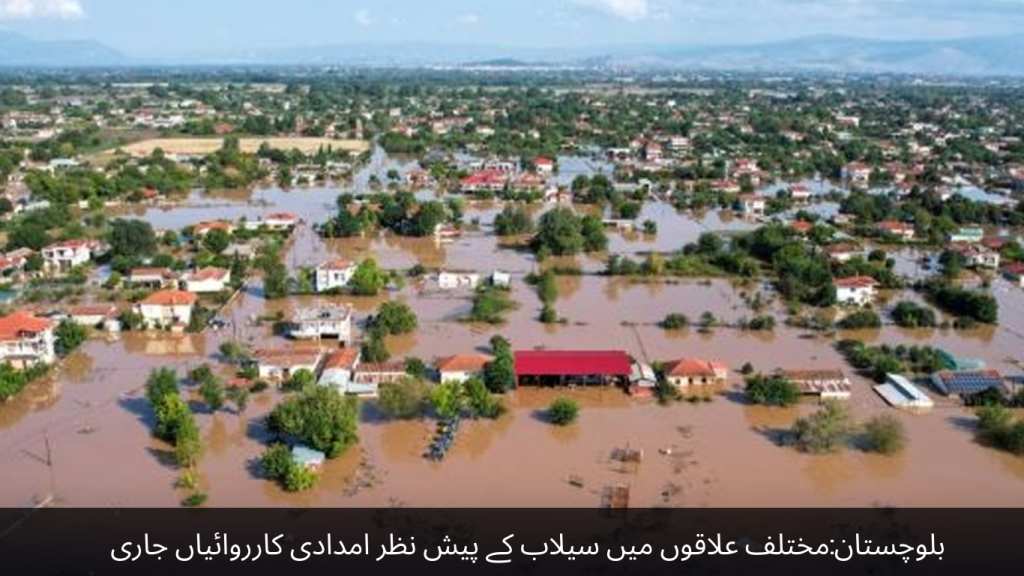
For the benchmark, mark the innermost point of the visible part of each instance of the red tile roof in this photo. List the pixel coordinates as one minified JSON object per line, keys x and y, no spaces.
{"x":463,"y":363}
{"x":692,"y":367}
{"x":857,"y":282}
{"x":14,"y":326}
{"x":568,"y":363}
{"x":207,"y":274}
{"x":171,"y":298}
{"x":345,"y":359}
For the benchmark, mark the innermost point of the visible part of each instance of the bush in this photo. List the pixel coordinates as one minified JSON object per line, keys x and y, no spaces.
{"x":395,"y":319}
{"x":195,"y":500}
{"x":70,"y":335}
{"x":884,"y":434}
{"x":490,"y":306}
{"x":277,"y":465}
{"x":675,"y":322}
{"x":861,"y":320}
{"x":405,"y":400}
{"x":996,"y":426}
{"x":772,"y":391}
{"x":827,"y":430}
{"x":911,"y":315}
{"x":563,"y":412}
{"x":548,"y":315}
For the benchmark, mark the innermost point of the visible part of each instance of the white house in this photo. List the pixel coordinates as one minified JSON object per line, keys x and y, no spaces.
{"x":64,"y":256}
{"x":281,"y":365}
{"x":339,"y":373}
{"x":334,"y":275}
{"x":319,"y":323}
{"x":206,"y":281}
{"x":462,"y":367}
{"x":857,"y":174}
{"x":692,"y":372}
{"x":153,"y":277}
{"x":458,"y":280}
{"x":856,"y":291}
{"x":27,"y":341}
{"x":281,"y":221}
{"x":544,"y":165}
{"x":167,"y":308}
{"x":753,"y":205}
{"x":93,"y":316}
{"x":501,"y":279}
{"x":978,"y":256}
{"x":900,"y":230}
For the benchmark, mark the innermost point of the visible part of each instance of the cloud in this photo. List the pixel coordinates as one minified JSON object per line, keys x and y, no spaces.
{"x":468,"y":19}
{"x":41,"y":9}
{"x":364,"y":18}
{"x":632,"y":10}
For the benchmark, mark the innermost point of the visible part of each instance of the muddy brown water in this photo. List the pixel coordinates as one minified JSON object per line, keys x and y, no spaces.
{"x":723,"y":453}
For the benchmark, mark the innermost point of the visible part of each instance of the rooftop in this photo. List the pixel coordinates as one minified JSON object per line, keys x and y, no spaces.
{"x":572,"y":363}
{"x":463,"y":363}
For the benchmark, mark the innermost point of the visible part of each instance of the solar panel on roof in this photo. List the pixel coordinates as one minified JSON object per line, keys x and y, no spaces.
{"x":972,"y":383}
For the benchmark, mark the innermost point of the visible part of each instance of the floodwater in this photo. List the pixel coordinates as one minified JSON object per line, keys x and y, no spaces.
{"x":90,"y":422}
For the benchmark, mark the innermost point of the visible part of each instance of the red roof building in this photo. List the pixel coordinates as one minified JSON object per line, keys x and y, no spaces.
{"x":562,"y":365}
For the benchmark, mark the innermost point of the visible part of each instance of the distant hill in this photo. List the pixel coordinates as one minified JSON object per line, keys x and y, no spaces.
{"x":970,"y":56}
{"x":18,"y":51}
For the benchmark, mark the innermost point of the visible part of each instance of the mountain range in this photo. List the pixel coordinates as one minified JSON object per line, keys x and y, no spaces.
{"x":996,"y":56}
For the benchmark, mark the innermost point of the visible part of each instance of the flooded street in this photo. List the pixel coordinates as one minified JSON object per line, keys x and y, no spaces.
{"x":91,"y":422}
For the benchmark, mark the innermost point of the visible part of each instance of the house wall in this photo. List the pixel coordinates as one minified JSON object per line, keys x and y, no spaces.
{"x":165,"y":315}
{"x":41,"y":347}
{"x":205,"y":286}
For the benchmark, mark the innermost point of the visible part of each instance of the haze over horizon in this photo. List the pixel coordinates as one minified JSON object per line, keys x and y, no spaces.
{"x":161,"y":29}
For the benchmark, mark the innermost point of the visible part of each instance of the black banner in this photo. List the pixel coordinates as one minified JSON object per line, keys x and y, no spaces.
{"x":507,"y":542}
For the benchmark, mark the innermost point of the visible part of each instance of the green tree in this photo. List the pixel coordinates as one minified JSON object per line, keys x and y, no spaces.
{"x":560,"y":233}
{"x":884,"y":434}
{"x":500,"y":373}
{"x":395,"y":319}
{"x":188,"y":445}
{"x":563,"y":411}
{"x":161,"y":383}
{"x":827,"y":430}
{"x":171,"y":413}
{"x":216,"y":241}
{"x":374,"y":348}
{"x":212,"y":392}
{"x":320,"y":417}
{"x":482,"y":404}
{"x":675,"y":321}
{"x":134,"y":239}
{"x":69,"y":335}
{"x":448,"y":399}
{"x":513,"y":221}
{"x":368,"y":279}
{"x":275,"y":279}
{"x":404,"y":400}
{"x":301,"y":381}
{"x":772,"y":391}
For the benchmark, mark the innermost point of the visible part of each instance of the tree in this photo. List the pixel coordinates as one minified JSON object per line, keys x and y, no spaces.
{"x":69,"y":335}
{"x":212,"y":392}
{"x":275,"y":279}
{"x":216,"y":241}
{"x":239,"y":396}
{"x":563,"y":411}
{"x":320,"y":417}
{"x":909,"y":314}
{"x":500,"y":373}
{"x":675,"y":321}
{"x":188,"y":445}
{"x":405,"y":400}
{"x":560,"y":233}
{"x":134,"y":239}
{"x":161,"y":383}
{"x":481,"y":403}
{"x":300,"y":381}
{"x":427,"y":219}
{"x":884,"y":434}
{"x":827,"y":430}
{"x":513,"y":221}
{"x":448,"y":399}
{"x":171,"y":413}
{"x":594,"y":237}
{"x":861,"y":320}
{"x":375,"y":349}
{"x":395,"y":319}
{"x":547,"y":287}
{"x":772,"y":391}
{"x":368,"y":279}
{"x":278,"y":465}
{"x":490,"y":305}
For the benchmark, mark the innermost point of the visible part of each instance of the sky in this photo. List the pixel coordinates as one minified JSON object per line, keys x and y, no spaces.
{"x":182,"y":27}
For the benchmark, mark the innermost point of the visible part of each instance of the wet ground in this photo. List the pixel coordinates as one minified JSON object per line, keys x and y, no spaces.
{"x":90,"y":423}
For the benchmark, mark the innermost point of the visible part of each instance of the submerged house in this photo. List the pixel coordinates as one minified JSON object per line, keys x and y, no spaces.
{"x":901,"y":393}
{"x":331,"y":322}
{"x":566,"y":367}
{"x":339,"y":373}
{"x":822,"y":384}
{"x":27,"y":341}
{"x":167,"y":308}
{"x":283,"y":364}
{"x":462,"y":367}
{"x":693,"y":372}
{"x":968,"y":383}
